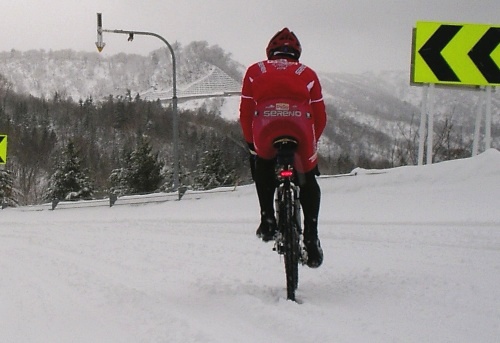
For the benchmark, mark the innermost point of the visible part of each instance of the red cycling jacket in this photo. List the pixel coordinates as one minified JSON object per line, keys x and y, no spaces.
{"x":282,"y":97}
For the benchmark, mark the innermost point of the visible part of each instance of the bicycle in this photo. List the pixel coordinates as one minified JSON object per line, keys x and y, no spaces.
{"x":288,"y":239}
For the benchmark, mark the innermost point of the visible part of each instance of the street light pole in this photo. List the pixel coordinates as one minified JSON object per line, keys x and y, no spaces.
{"x":100,"y":45}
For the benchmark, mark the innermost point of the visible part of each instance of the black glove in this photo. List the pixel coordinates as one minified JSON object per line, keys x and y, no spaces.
{"x":251,"y":158}
{"x":251,"y":149}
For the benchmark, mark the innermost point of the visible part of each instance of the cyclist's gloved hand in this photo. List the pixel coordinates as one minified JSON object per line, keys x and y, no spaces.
{"x":251,"y":149}
{"x":252,"y":158}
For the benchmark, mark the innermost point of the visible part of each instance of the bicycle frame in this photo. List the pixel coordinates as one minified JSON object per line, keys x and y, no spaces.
{"x":289,"y":239}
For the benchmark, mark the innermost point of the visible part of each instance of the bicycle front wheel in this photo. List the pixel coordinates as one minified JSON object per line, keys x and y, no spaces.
{"x":291,"y":243}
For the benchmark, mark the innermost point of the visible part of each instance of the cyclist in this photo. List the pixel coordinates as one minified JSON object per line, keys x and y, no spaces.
{"x":282,"y":97}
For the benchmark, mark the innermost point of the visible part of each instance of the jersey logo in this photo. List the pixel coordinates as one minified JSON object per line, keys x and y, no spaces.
{"x":282,"y":109}
{"x":280,"y":64}
{"x":280,"y":106}
{"x":300,"y":69}
{"x":262,"y":67}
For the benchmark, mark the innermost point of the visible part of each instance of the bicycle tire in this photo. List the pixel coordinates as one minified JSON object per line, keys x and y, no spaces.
{"x":291,"y":242}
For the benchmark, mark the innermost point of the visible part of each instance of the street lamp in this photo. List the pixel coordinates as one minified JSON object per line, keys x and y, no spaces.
{"x":100,"y":45}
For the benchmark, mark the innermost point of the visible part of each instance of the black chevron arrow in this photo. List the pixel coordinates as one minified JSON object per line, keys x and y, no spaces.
{"x":480,"y":55}
{"x":431,"y":52}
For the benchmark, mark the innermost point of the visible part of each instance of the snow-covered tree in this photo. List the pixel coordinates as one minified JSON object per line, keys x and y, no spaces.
{"x":142,"y":172}
{"x":213,"y":172}
{"x":69,"y":181}
{"x":168,"y":173}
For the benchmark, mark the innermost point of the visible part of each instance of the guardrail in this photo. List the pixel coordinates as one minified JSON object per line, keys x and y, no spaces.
{"x":160,"y":197}
{"x":125,"y":200}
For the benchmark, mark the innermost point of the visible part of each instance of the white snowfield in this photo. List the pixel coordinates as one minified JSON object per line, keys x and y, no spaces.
{"x":412,"y":254}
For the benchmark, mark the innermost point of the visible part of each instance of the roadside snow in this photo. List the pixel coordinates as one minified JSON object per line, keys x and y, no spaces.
{"x":412,"y":254}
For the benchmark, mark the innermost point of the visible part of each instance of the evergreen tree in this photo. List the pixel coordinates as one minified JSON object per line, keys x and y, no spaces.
{"x":69,"y":181}
{"x":119,"y":178}
{"x":142,"y":172}
{"x":213,"y":172}
{"x":168,"y":173}
{"x":6,"y":188}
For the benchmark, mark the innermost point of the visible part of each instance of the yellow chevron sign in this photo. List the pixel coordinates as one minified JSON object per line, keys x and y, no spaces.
{"x":456,"y":54}
{"x":3,"y":149}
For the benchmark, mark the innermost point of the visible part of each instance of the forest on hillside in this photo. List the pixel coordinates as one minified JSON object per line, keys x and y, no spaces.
{"x":104,"y":134}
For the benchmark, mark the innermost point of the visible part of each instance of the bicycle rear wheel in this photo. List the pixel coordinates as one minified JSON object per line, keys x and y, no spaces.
{"x":291,"y":247}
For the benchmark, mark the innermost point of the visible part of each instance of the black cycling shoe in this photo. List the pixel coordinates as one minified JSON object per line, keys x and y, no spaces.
{"x":314,"y":253}
{"x":267,"y":229}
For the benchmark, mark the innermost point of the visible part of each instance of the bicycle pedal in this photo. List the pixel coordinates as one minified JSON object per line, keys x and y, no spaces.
{"x":279,"y":249}
{"x":303,"y":254}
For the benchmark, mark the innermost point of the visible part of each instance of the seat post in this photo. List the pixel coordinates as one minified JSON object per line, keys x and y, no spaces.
{"x":286,"y":147}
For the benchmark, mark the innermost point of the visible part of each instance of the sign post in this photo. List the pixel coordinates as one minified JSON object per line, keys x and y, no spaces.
{"x":423,"y":124}
{"x":451,"y":54}
{"x":487,"y":129}
{"x":477,"y":127}
{"x":430,"y":123}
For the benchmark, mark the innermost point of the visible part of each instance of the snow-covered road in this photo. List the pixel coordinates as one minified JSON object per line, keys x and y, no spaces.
{"x":411,"y":255}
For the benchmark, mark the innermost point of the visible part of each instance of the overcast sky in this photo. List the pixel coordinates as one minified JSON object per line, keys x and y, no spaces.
{"x":336,"y":35}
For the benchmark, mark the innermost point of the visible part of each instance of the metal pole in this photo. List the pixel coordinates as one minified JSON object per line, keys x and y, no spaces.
{"x":430,"y":132}
{"x":477,"y":128}
{"x":487,"y":127}
{"x":423,"y":125}
{"x":174,"y":98}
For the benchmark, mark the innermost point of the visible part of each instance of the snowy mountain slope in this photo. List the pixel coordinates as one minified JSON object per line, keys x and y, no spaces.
{"x":80,"y":75}
{"x":412,"y":254}
{"x":377,"y":107}
{"x":386,"y":95}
